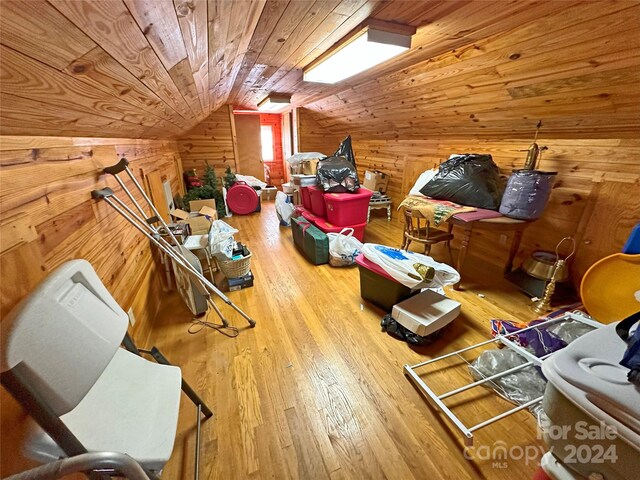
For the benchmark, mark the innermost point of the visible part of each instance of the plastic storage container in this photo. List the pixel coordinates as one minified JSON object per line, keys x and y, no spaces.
{"x":345,"y":209}
{"x":589,"y":396}
{"x":326,"y":227}
{"x":317,"y":202}
{"x":377,"y":287}
{"x":304,"y":180}
{"x":310,"y":216}
{"x":306,"y":197}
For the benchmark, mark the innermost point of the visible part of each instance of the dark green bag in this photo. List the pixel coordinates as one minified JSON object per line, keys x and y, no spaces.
{"x":311,"y":241}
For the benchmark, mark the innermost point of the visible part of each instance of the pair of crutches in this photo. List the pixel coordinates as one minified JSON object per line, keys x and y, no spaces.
{"x":146,"y":226}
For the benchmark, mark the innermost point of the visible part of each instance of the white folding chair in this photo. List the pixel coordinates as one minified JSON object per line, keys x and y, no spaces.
{"x":61,"y":359}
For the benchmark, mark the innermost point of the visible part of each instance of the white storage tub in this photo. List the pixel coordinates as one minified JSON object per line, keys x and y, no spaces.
{"x":587,"y":397}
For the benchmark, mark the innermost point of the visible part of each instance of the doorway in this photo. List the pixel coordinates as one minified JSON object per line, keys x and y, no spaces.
{"x":271,"y":137}
{"x":248,"y":137}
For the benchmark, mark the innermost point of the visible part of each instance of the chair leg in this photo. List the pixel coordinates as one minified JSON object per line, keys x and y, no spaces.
{"x":427,"y":249}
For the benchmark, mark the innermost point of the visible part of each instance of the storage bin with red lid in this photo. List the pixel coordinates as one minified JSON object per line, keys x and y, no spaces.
{"x":326,"y":227}
{"x":306,"y":197}
{"x":317,"y":201}
{"x":345,"y":209}
{"x":380,"y":288}
{"x":310,"y":216}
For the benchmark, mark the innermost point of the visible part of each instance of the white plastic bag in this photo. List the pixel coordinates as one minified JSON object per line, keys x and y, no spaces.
{"x":343,"y":248}
{"x":401,"y":265}
{"x":284,"y":209}
{"x":221,"y":239}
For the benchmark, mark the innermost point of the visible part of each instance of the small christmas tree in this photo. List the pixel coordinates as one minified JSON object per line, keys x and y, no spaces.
{"x":229,"y":178}
{"x":210,"y":177}
{"x":209,"y":189}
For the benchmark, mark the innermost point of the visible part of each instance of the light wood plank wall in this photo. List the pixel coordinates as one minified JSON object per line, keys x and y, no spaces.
{"x":310,"y":136}
{"x":582,"y":166}
{"x":569,"y":67}
{"x":48,"y":217}
{"x":212,"y":141}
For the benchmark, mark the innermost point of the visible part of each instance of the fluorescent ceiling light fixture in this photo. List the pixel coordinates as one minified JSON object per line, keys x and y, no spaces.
{"x":374,"y":44}
{"x":274,"y":103}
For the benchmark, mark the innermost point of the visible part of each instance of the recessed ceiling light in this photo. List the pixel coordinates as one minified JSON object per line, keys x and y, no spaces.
{"x":274,"y":103}
{"x":367,"y":47}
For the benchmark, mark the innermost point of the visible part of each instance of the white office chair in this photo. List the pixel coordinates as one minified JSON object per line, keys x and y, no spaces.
{"x":61,"y":359}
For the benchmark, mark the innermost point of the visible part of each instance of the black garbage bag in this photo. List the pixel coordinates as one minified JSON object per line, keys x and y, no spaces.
{"x":396,"y":330}
{"x":346,"y":150}
{"x":338,"y":175}
{"x":469,"y":179}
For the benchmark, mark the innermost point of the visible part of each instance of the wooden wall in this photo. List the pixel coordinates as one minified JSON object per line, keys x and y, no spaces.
{"x":310,"y":136}
{"x":589,"y":172}
{"x":569,"y":66}
{"x":48,"y":217}
{"x":212,"y":141}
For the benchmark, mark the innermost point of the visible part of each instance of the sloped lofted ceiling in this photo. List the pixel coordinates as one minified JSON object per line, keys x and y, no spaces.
{"x":156,"y":68}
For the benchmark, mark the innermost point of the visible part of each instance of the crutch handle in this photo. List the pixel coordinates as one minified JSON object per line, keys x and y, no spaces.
{"x":102,"y":193}
{"x":118,"y":167}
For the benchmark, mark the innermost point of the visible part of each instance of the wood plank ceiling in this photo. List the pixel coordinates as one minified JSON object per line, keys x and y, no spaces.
{"x":156,"y":68}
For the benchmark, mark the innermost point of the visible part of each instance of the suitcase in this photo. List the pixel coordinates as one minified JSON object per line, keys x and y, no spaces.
{"x":312,"y":242}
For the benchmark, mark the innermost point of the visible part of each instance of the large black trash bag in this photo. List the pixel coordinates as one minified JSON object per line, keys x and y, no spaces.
{"x":398,"y":331}
{"x":338,"y":175}
{"x":469,"y":179}
{"x":346,"y":150}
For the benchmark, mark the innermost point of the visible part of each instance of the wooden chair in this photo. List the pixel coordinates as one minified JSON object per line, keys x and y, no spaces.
{"x":417,"y":229}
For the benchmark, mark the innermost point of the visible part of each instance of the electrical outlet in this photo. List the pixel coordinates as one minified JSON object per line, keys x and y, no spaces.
{"x":503,"y":239}
{"x":132,"y":317}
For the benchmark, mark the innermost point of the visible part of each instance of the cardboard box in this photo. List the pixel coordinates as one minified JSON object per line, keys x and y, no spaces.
{"x":196,"y":205}
{"x":376,"y":181}
{"x":309,"y":167}
{"x":200,"y":225}
{"x":203,"y":212}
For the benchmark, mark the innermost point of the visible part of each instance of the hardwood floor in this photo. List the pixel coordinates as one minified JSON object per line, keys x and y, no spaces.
{"x":317,"y":391}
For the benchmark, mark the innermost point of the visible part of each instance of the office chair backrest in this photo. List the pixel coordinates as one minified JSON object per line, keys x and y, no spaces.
{"x":63,"y":335}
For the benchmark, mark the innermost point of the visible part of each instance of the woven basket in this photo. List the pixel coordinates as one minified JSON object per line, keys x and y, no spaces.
{"x":235,"y":268}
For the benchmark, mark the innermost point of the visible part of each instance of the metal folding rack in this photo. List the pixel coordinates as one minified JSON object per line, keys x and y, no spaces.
{"x":437,"y":400}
